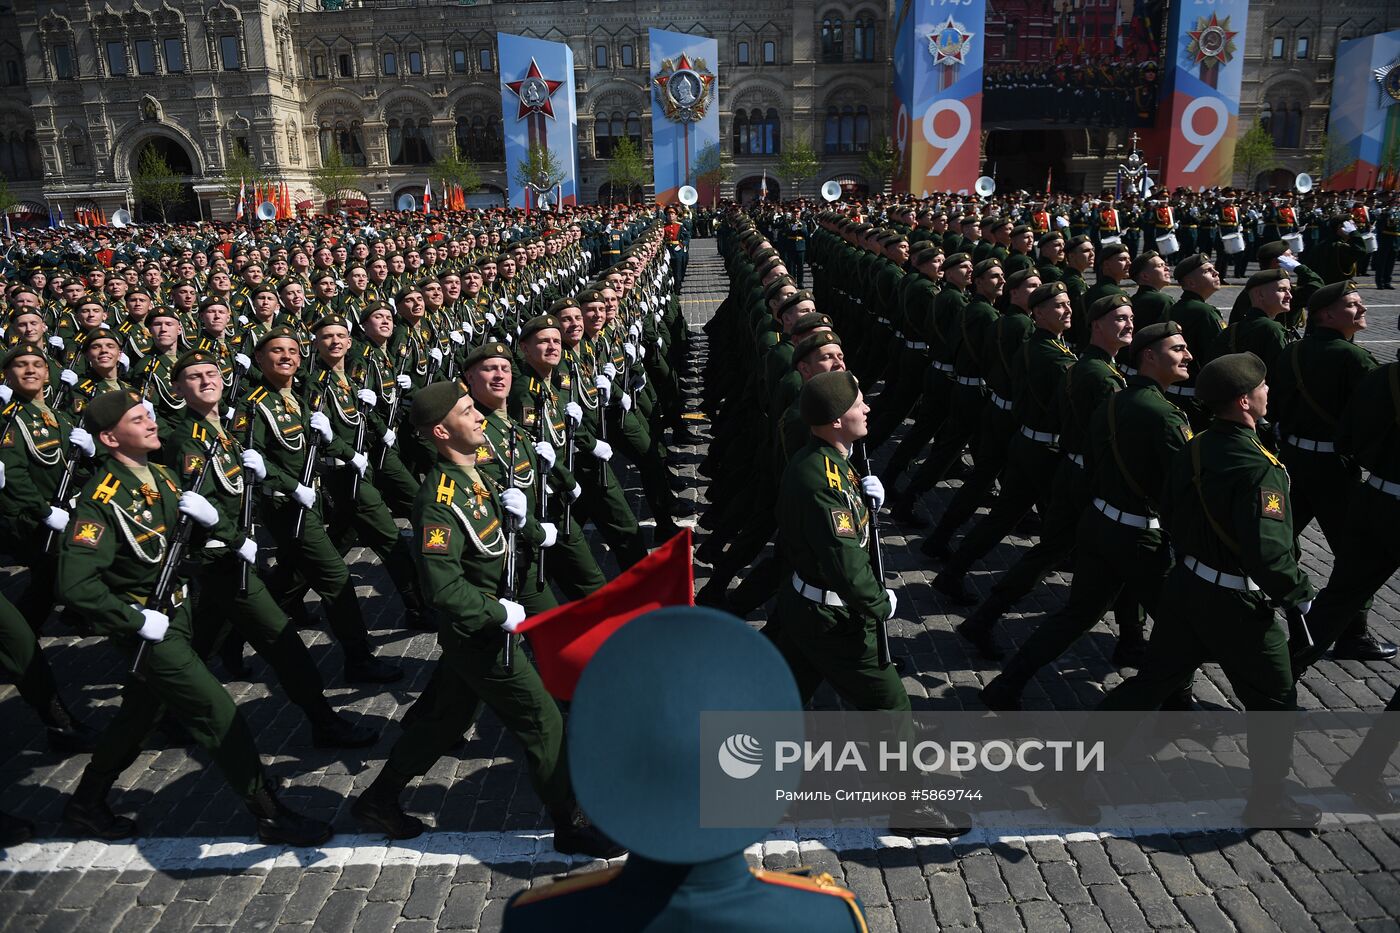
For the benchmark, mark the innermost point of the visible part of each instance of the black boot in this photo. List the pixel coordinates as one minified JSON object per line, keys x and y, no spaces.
{"x":362,"y":667}
{"x":952,"y":582}
{"x":1131,"y":649}
{"x":278,"y":825}
{"x":902,"y":511}
{"x":937,"y":546}
{"x":574,"y":835}
{"x":1275,"y":809}
{"x":67,"y":734}
{"x":1002,"y":693}
{"x":978,"y":629}
{"x":88,"y":813}
{"x":378,"y":807}
{"x":231,"y":656}
{"x":329,"y":730}
{"x":14,"y":830}
{"x":418,"y":620}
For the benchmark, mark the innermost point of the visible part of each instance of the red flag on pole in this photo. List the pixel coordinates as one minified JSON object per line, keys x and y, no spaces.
{"x":566,"y":637}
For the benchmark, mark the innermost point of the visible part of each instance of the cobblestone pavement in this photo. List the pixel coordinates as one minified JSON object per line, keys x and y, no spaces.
{"x":198,"y":868}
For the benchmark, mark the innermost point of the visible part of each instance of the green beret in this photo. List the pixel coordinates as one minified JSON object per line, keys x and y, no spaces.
{"x":1145,"y":337}
{"x":1140,"y":263}
{"x":538,"y":323}
{"x":1020,"y":229}
{"x":1328,"y":295}
{"x":812,"y":343}
{"x":957,"y":258}
{"x":1112,"y":249}
{"x":1050,"y":237}
{"x":999,"y":222}
{"x":1047,"y":292}
{"x":562,"y":304}
{"x":108,"y":408}
{"x":1077,"y":241}
{"x":407,"y":290}
{"x":590,"y":296}
{"x":810,"y":321}
{"x":827,"y":396}
{"x":1189,"y":264}
{"x":432,"y":403}
{"x":276,"y":333}
{"x":796,"y":298}
{"x":192,"y":358}
{"x":331,"y":320}
{"x":1019,"y":277}
{"x":161,"y":311}
{"x":373,"y":306}
{"x":18,"y":313}
{"x":322,"y":276}
{"x":1229,"y":376}
{"x":1266,"y":277}
{"x":969,"y":220}
{"x":23,"y":349}
{"x":1107,"y":305}
{"x":211,"y":301}
{"x":259,"y":289}
{"x":985,"y":266}
{"x":487,"y":351}
{"x":100,"y":333}
{"x":1270,"y":252}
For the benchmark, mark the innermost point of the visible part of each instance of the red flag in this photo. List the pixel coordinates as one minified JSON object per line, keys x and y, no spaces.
{"x":565,"y":638}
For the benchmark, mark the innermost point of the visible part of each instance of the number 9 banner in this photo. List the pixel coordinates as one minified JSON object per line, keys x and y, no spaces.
{"x":938,"y":84}
{"x":1206,"y":68}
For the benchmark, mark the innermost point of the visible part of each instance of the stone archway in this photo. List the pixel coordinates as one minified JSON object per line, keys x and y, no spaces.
{"x":749,"y":190}
{"x":157,"y":204}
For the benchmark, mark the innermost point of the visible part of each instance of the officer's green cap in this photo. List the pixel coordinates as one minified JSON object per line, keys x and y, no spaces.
{"x":811,"y":321}
{"x":796,"y":298}
{"x":638,"y":712}
{"x":487,"y":351}
{"x":812,"y":343}
{"x":956,"y":258}
{"x":1189,"y":264}
{"x":1077,"y":241}
{"x":1020,"y":229}
{"x":432,"y":403}
{"x":276,"y":333}
{"x":1266,"y":277}
{"x":827,"y":396}
{"x":1229,"y":376}
{"x":538,"y":323}
{"x":100,"y":333}
{"x":108,"y":408}
{"x":1151,"y":334}
{"x":1107,"y":305}
{"x":1019,"y":277}
{"x":1047,"y":292}
{"x":331,"y":320}
{"x":1141,"y":262}
{"x":1328,"y":295}
{"x":22,"y":349}
{"x":1050,"y":237}
{"x":1270,"y":252}
{"x":985,"y":266}
{"x":192,"y":358}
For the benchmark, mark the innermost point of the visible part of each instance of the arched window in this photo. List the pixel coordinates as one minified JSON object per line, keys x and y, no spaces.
{"x":832,"y":41}
{"x":743,"y":55}
{"x":756,"y":132}
{"x":479,"y":137}
{"x":628,"y":57}
{"x":831,"y":131}
{"x":1295,"y":126}
{"x":741,"y":133}
{"x":770,"y":52}
{"x":848,"y":128}
{"x":347,"y":137}
{"x":602,"y":137}
{"x":863,"y":33}
{"x":862,"y":136}
{"x":391,"y":63}
{"x":634,"y":128}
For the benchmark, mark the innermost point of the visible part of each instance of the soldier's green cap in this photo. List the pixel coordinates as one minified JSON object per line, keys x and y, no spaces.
{"x":492,"y":350}
{"x":407,"y":290}
{"x":1075,"y":242}
{"x":1328,"y":295}
{"x":276,"y":333}
{"x":192,"y":358}
{"x":211,"y":301}
{"x":1270,"y":252}
{"x":590,"y":296}
{"x":812,"y":343}
{"x":100,"y":333}
{"x":1022,"y":228}
{"x":996,"y":223}
{"x":266,"y":286}
{"x":827,"y":396}
{"x":161,"y":311}
{"x":795,"y":299}
{"x":1140,"y":263}
{"x":1050,"y":237}
{"x":373,"y":306}
{"x":1019,"y":277}
{"x":969,"y":220}
{"x":1107,"y":305}
{"x":18,"y":313}
{"x":1151,"y":334}
{"x":538,"y":323}
{"x":811,"y":321}
{"x":22,"y":349}
{"x":331,"y":320}
{"x":562,"y":304}
{"x":985,"y":266}
{"x":1189,"y":264}
{"x":1229,"y":376}
{"x":957,"y":258}
{"x":321,"y":276}
{"x":1047,"y":292}
{"x":103,"y":412}
{"x":432,"y":403}
{"x":925,"y":252}
{"x":1266,"y":277}
{"x":1112,"y":249}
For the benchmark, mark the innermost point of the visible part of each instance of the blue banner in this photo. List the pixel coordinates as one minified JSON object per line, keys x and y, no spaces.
{"x":1205,"y":67}
{"x":1363,"y":133}
{"x":684,"y":113}
{"x":539,"y":108}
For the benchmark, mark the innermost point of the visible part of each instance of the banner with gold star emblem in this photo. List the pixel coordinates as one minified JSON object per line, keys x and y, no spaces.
{"x":539,"y":110}
{"x":684,"y":114}
{"x":1363,"y":131}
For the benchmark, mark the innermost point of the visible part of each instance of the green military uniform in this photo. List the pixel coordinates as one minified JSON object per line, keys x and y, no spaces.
{"x":1200,"y":324}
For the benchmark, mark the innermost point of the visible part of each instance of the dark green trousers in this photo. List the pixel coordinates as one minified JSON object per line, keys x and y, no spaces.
{"x":23,"y":660}
{"x":312,"y":560}
{"x":368,"y":523}
{"x":988,"y":460}
{"x":826,"y":644}
{"x":604,"y":504}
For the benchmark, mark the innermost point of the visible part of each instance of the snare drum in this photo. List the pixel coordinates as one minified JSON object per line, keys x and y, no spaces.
{"x":1167,"y":245}
{"x":1233,"y":243}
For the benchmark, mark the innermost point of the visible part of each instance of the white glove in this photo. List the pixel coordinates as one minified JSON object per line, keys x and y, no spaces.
{"x":68,"y":377}
{"x":574,"y":412}
{"x":545,"y":451}
{"x":576,"y":491}
{"x":2,"y":474}
{"x":56,"y":341}
{"x":1062,"y":222}
{"x":243,"y":319}
{"x":390,"y":435}
{"x":242,"y":361}
{"x":610,"y":370}
{"x":150,"y":409}
{"x":57,"y":519}
{"x":626,"y":402}
{"x":1348,"y":227}
{"x":1288,"y":263}
{"x":604,"y":385}
{"x":367,"y":397}
{"x":535,"y":287}
{"x":457,"y":338}
{"x":82,"y":440}
{"x":6,"y":393}
{"x":321,"y":425}
{"x":660,"y":344}
{"x":513,"y":501}
{"x":602,"y":450}
{"x":630,"y":350}
{"x":894,"y":602}
{"x":253,"y":463}
{"x":403,"y":382}
{"x":491,"y":318}
{"x":874,"y":490}
{"x":551,"y":534}
{"x":639,"y":380}
{"x":124,"y":360}
{"x":199,"y":508}
{"x":305,"y":496}
{"x":520,"y":298}
{"x":360,"y":462}
{"x":229,"y":413}
{"x":436,"y":355}
{"x":515,"y":614}
{"x":154,"y":625}
{"x":248,"y":551}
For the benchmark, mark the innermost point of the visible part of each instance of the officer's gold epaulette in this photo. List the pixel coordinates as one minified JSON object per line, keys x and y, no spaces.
{"x":818,"y":884}
{"x":446,"y":489}
{"x":199,"y":433}
{"x":833,"y":474}
{"x":106,"y":489}
{"x":257,"y":395}
{"x":569,"y":885}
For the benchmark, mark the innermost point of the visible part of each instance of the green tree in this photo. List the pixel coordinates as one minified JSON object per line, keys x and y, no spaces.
{"x":711,"y":168}
{"x":880,"y":163}
{"x":797,"y":164}
{"x":7,"y":197}
{"x":540,"y":168}
{"x":239,"y":170}
{"x":458,"y":170}
{"x":1253,"y":152}
{"x":155,"y":184}
{"x":334,"y":176}
{"x":627,"y":169}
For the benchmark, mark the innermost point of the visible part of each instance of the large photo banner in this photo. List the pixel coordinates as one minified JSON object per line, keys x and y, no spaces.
{"x":1363,"y":131}
{"x":539,"y":109}
{"x":938,"y":94}
{"x":684,"y":114}
{"x":1201,"y":96}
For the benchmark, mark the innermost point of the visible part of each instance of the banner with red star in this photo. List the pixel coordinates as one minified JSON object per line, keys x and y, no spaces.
{"x":539,"y":119}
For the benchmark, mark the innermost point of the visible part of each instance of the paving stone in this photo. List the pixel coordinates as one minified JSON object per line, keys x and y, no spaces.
{"x":914,"y":917}
{"x":429,"y":894}
{"x":1204,"y":915}
{"x":1178,"y":875}
{"x":1063,"y":884}
{"x":1092,"y":861}
{"x":951,"y":901}
{"x":1308,"y":888}
{"x":462,"y":911}
{"x":1118,"y":907}
{"x":228,"y":903}
{"x":984,"y":881}
{"x":305,"y":903}
{"x":1153,"y":900}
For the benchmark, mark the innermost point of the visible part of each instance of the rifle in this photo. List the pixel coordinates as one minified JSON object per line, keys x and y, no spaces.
{"x":542,"y":495}
{"x":394,"y":406}
{"x":568,"y":465}
{"x":239,"y":373}
{"x":603,"y":436}
{"x":60,"y":496}
{"x":508,"y":585}
{"x":359,"y":445}
{"x":161,"y":593}
{"x":308,"y":470}
{"x":877,"y":560}
{"x":246,"y":521}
